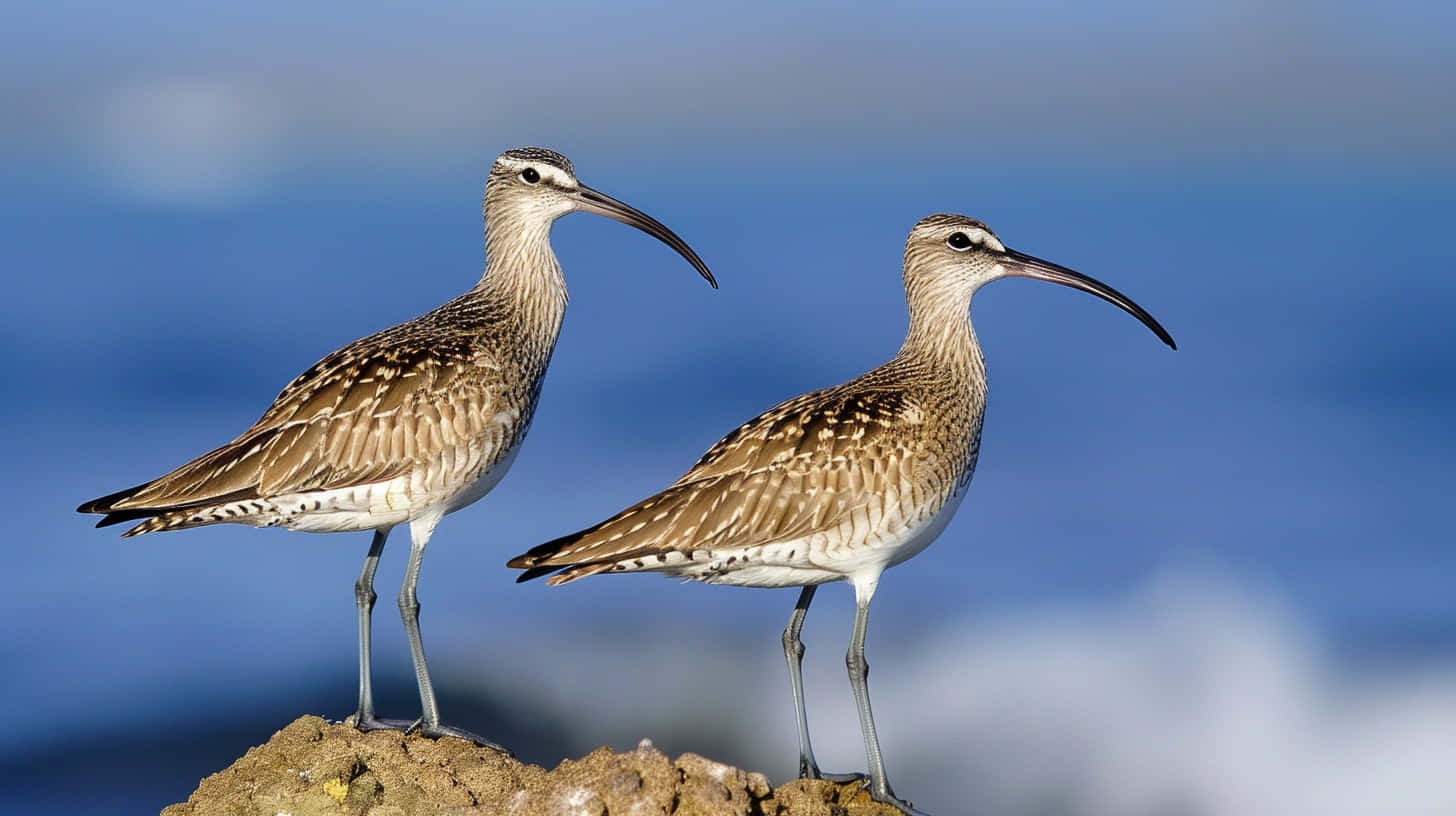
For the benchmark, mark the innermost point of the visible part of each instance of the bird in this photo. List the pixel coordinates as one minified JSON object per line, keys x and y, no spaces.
{"x":410,"y":423}
{"x":841,"y":483}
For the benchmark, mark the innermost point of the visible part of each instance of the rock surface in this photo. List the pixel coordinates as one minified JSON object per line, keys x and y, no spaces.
{"x":315,"y":768}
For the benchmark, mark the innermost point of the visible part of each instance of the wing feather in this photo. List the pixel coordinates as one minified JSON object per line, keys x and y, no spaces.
{"x":354,"y":418}
{"x":808,"y":465}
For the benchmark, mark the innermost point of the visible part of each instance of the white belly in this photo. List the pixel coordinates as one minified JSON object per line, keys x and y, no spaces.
{"x":841,"y":554}
{"x":482,"y":485}
{"x":386,"y":504}
{"x":917,"y":538}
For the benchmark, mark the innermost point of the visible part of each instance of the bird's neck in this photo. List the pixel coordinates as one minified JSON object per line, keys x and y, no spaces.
{"x":941,"y":337}
{"x":522,"y":277}
{"x":941,"y":354}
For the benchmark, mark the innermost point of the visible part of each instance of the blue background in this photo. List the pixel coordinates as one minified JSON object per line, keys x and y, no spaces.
{"x":1211,"y":581}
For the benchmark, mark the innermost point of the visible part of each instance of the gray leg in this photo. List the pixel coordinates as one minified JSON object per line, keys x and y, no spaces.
{"x":364,"y":596}
{"x":859,"y":674}
{"x":409,"y":611}
{"x":794,"y":654}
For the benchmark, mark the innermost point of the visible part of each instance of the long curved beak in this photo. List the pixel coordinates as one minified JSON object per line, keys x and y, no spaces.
{"x":1026,"y":266}
{"x":593,"y":201}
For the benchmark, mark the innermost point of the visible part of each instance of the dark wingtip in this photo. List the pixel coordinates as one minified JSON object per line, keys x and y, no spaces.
{"x":530,"y":560}
{"x":533,"y":573}
{"x":123,"y":516}
{"x":105,"y":503}
{"x":522,"y":561}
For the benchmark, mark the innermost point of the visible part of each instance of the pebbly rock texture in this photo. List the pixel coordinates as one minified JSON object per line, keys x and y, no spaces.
{"x":315,"y":768}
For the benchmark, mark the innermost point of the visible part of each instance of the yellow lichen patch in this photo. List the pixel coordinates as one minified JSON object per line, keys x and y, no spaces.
{"x":337,"y":788}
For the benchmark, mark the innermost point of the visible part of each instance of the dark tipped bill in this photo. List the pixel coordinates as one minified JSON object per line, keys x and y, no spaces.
{"x":592,"y":201}
{"x":1026,"y":266}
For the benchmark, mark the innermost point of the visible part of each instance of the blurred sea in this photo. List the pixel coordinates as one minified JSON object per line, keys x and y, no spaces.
{"x":1216,"y":580}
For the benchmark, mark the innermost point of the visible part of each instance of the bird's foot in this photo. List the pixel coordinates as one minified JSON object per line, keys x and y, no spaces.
{"x":369,"y":722}
{"x":808,"y":769}
{"x":437,"y":730}
{"x":888,"y":797}
{"x":841,"y":778}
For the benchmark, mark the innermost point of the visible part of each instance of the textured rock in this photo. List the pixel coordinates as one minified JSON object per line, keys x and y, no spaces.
{"x":314,"y":768}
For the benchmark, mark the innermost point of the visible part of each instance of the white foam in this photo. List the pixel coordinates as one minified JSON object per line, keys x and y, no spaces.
{"x":1193,"y":697}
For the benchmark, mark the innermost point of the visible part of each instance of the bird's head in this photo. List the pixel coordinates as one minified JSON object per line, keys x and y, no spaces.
{"x":531,"y":187}
{"x":949,"y":257}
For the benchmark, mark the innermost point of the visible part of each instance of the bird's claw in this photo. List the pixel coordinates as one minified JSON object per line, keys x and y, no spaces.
{"x":369,"y":722}
{"x":438,"y":730}
{"x":841,"y":778}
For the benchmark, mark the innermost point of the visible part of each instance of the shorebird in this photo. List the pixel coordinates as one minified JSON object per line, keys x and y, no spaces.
{"x":841,"y":483}
{"x":409,"y":424}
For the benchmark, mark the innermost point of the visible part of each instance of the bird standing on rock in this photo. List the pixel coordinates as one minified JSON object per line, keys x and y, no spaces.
{"x":409,"y":424}
{"x":841,"y":483}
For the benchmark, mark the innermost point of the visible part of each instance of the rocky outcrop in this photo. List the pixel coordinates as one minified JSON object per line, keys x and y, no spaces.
{"x":315,"y":768}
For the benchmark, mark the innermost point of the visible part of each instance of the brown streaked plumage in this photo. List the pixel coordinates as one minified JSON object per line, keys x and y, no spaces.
{"x":375,"y":410}
{"x":841,"y":483}
{"x":408,"y":424}
{"x":850,"y":456}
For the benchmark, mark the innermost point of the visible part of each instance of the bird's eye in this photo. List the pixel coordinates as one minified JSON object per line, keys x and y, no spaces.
{"x":530,"y":176}
{"x":958,"y":241}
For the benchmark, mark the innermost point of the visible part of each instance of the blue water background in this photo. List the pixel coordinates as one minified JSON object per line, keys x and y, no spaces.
{"x":1300,"y":440}
{"x":1216,"y":581}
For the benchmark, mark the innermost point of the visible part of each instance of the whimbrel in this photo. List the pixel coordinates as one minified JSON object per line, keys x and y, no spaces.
{"x":841,"y":483}
{"x":409,"y":424}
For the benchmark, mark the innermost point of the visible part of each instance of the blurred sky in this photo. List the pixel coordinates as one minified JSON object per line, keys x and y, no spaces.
{"x":1211,"y":581}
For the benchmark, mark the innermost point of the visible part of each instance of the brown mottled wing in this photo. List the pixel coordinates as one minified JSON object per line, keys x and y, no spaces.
{"x":804,"y":466}
{"x":366,"y":413}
